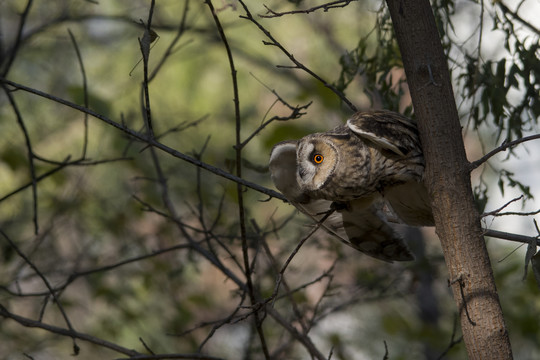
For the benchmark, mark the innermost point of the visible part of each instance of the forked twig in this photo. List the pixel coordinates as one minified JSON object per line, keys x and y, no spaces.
{"x":324,"y":7}
{"x":505,"y":145}
{"x":47,"y":284}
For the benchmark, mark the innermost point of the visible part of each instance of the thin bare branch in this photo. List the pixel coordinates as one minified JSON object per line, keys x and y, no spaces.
{"x":275,"y":268}
{"x":511,"y":237}
{"x":296,"y":112}
{"x":30,"y":154}
{"x":454,"y":340}
{"x":173,"y":356}
{"x":232,"y":316}
{"x":505,"y":145}
{"x":85,"y":92}
{"x":324,"y":7}
{"x":18,"y":40}
{"x":65,"y":332}
{"x":152,"y":142}
{"x":144,"y":44}
{"x":239,"y":190}
{"x":61,"y":165}
{"x":518,"y":213}
{"x":170,"y":49}
{"x":295,"y":251}
{"x":302,"y":338}
{"x":98,"y":341}
{"x":47,"y":284}
{"x":304,"y":239}
{"x":513,"y":14}
{"x":297,"y":64}
{"x":496,"y":211}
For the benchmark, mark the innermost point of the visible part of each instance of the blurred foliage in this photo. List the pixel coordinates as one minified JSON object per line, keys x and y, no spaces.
{"x":126,"y":268}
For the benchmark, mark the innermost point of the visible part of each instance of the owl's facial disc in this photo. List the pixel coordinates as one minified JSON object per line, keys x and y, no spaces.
{"x":317,"y":158}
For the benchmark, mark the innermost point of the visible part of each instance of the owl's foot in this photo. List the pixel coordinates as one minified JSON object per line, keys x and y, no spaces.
{"x":340,"y":206}
{"x":336,"y":206}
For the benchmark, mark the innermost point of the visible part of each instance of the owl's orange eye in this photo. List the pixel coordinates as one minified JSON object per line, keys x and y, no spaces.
{"x":318,"y":158}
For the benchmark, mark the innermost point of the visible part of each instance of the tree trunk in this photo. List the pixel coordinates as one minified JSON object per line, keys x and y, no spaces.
{"x":447,"y":178}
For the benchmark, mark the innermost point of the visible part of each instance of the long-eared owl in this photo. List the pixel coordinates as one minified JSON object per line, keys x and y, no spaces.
{"x":364,"y":170}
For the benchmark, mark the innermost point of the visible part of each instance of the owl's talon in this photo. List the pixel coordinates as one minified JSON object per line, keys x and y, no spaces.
{"x":335,"y":206}
{"x":339,"y":206}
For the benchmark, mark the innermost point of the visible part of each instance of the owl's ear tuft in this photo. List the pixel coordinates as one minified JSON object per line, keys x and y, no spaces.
{"x":387,"y":129}
{"x":383,"y":142}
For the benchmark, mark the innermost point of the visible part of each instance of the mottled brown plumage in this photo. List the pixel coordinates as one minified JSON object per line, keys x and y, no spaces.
{"x":372,"y":162}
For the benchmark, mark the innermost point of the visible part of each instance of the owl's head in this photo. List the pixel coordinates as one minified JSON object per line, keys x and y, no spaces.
{"x":316,"y":158}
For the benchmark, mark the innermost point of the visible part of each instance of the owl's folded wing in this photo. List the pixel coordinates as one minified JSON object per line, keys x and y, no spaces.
{"x":410,"y":202}
{"x":398,"y":134}
{"x":387,"y":129}
{"x":362,"y":226}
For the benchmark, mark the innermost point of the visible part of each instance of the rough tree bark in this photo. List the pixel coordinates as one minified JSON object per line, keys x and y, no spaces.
{"x":448,"y":180}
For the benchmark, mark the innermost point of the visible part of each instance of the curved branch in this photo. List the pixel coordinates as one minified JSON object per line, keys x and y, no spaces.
{"x":248,"y":270}
{"x":18,"y":40}
{"x":324,"y":7}
{"x":31,"y":157}
{"x":505,"y":145}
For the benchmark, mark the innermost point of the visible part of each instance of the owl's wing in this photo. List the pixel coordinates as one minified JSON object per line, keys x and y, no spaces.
{"x":360,"y":224}
{"x":398,"y":134}
{"x":411,"y":203}
{"x":387,"y":129}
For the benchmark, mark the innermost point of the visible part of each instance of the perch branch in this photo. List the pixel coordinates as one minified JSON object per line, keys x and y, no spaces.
{"x":511,"y":237}
{"x":152,"y":142}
